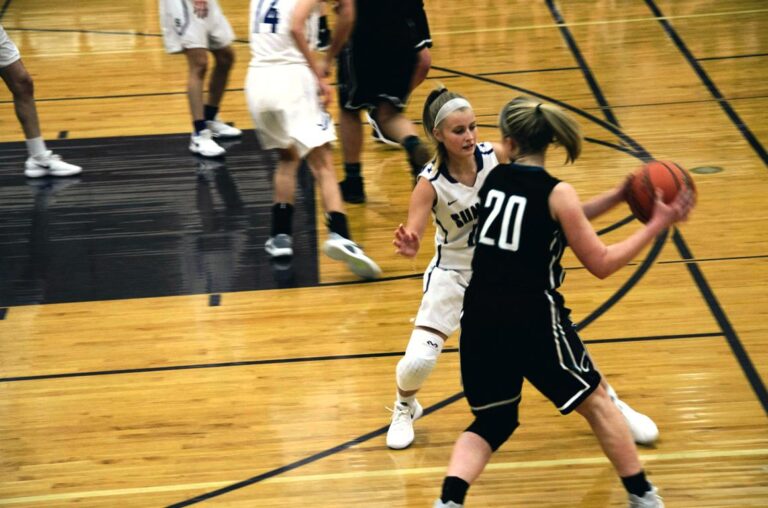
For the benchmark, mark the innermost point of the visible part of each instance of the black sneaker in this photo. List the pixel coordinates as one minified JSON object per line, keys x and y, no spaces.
{"x":352,"y":189}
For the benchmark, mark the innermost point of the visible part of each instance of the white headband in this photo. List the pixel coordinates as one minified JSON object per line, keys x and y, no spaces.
{"x":449,"y":107}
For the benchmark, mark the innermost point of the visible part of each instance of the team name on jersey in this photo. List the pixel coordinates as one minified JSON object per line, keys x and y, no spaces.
{"x":465,"y":216}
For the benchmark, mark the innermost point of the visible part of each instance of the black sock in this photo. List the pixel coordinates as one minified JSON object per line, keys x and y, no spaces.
{"x":282,"y":219}
{"x":337,"y":223}
{"x":352,"y":169}
{"x":454,"y":489}
{"x":199,"y":125}
{"x":636,"y":484}
{"x":410,"y":143}
{"x":210,"y":112}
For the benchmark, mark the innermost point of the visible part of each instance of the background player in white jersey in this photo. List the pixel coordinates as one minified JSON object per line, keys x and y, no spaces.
{"x":287,"y":94}
{"x":41,"y":161}
{"x":515,"y":325}
{"x":448,"y":188}
{"x":195,"y":27}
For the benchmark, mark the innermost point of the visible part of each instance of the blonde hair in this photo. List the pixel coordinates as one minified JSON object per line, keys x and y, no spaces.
{"x":436,"y":99}
{"x":535,"y":125}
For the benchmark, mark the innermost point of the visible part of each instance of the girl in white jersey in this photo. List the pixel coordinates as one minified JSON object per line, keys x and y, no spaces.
{"x":448,"y":188}
{"x":284,"y":89}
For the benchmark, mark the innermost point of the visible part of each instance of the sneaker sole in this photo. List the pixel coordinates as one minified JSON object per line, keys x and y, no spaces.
{"x":35,"y":173}
{"x":226,"y":136}
{"x":279,"y":253}
{"x":201,"y":154}
{"x":361,"y":266}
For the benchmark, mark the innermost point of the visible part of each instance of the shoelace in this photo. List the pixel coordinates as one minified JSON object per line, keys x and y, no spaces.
{"x":400,"y":414}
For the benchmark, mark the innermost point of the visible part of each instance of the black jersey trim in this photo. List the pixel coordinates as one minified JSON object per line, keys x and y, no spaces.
{"x":443,"y":169}
{"x":527,"y":167}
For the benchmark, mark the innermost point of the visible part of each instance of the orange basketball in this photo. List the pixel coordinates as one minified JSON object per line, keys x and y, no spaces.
{"x":667,"y":176}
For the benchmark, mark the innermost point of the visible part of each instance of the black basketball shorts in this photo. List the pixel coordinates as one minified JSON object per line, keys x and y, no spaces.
{"x":505,"y":339}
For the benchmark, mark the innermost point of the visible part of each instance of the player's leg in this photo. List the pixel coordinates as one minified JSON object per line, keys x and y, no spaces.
{"x":643,"y":428}
{"x":339,"y":245}
{"x":351,"y":135}
{"x":41,"y":161}
{"x":395,"y":125}
{"x":224,"y":59}
{"x":280,"y":242}
{"x":612,"y":433}
{"x":438,"y":317}
{"x":201,"y":142}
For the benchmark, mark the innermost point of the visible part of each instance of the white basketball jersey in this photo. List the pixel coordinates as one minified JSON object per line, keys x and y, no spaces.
{"x":455,"y":212}
{"x":270,"y":33}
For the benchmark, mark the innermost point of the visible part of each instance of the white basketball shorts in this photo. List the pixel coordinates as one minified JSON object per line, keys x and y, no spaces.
{"x":9,"y":53}
{"x":182,"y":29}
{"x":443,"y":299}
{"x":286,"y":109}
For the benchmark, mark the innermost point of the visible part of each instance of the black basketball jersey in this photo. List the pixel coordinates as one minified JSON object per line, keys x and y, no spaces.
{"x":518,"y":244}
{"x":383,"y":23}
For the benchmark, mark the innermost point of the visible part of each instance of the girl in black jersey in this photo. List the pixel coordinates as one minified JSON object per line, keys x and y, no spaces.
{"x":515,"y":325}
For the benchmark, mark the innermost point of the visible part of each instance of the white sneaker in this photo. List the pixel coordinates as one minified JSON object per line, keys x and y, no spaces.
{"x":222,"y":130}
{"x":279,"y":246}
{"x":644,"y":430}
{"x":203,"y":144}
{"x":343,"y":249}
{"x":449,"y":504}
{"x":400,"y":434}
{"x":49,"y":164}
{"x":650,"y":499}
{"x":377,"y":134}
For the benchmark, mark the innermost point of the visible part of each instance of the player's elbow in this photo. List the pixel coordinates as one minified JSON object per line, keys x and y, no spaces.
{"x":599,"y":265}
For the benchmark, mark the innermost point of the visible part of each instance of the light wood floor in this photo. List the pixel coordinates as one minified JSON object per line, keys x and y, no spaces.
{"x":277,"y":398}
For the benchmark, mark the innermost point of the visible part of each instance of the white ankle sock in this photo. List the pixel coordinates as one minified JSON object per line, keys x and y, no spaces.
{"x":406,"y":400}
{"x":35,"y":146}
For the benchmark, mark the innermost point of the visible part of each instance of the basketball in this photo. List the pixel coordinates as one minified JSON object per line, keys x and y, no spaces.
{"x":640,"y":192}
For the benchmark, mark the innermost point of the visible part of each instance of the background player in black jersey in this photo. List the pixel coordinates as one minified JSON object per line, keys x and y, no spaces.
{"x":386,"y":56}
{"x":515,"y":325}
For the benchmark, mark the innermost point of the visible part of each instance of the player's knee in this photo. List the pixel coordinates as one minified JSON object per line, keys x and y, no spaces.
{"x":22,"y":86}
{"x":495,"y":425}
{"x":420,"y":359}
{"x":594,"y":405}
{"x":225,"y":58}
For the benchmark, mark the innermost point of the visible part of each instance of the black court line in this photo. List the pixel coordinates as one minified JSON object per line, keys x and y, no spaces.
{"x":629,"y":284}
{"x":308,"y":460}
{"x":79,"y":31}
{"x":3,"y":313}
{"x":214,"y":300}
{"x":730,"y":334}
{"x":704,"y":260}
{"x":617,"y":225}
{"x":503,"y":73}
{"x":619,"y":148}
{"x":5,"y":8}
{"x":635,"y":149}
{"x":310,"y":359}
{"x":63,"y":134}
{"x":731,"y":57}
{"x":593,"y":85}
{"x":704,"y":77}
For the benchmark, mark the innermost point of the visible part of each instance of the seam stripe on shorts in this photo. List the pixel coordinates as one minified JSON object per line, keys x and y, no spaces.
{"x":497,"y":404}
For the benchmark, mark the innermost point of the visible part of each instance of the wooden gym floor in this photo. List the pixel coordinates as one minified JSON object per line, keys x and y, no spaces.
{"x":150,"y":355}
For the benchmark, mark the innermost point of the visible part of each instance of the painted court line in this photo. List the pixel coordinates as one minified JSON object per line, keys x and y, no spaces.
{"x":604,"y":22}
{"x":500,"y":466}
